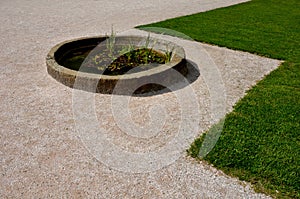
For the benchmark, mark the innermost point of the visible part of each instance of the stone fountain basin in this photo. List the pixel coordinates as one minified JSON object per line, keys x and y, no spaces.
{"x":162,"y":76}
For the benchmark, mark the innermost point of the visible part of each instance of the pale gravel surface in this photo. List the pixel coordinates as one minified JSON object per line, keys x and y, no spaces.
{"x":41,"y":154}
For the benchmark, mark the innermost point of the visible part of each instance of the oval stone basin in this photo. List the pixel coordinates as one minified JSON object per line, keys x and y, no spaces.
{"x":149,"y":77}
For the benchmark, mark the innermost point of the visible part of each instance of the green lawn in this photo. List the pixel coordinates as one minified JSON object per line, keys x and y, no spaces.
{"x":260,"y":141}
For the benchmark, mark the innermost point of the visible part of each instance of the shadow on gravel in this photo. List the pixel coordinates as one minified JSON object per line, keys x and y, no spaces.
{"x":192,"y":75}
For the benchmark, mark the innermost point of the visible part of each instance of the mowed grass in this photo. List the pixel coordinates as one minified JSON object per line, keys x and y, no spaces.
{"x":260,"y":140}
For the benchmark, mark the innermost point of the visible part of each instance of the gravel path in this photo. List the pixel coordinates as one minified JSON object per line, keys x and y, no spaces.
{"x":48,"y":148}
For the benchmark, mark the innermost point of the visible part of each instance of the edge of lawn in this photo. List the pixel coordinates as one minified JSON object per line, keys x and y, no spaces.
{"x":259,"y":142}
